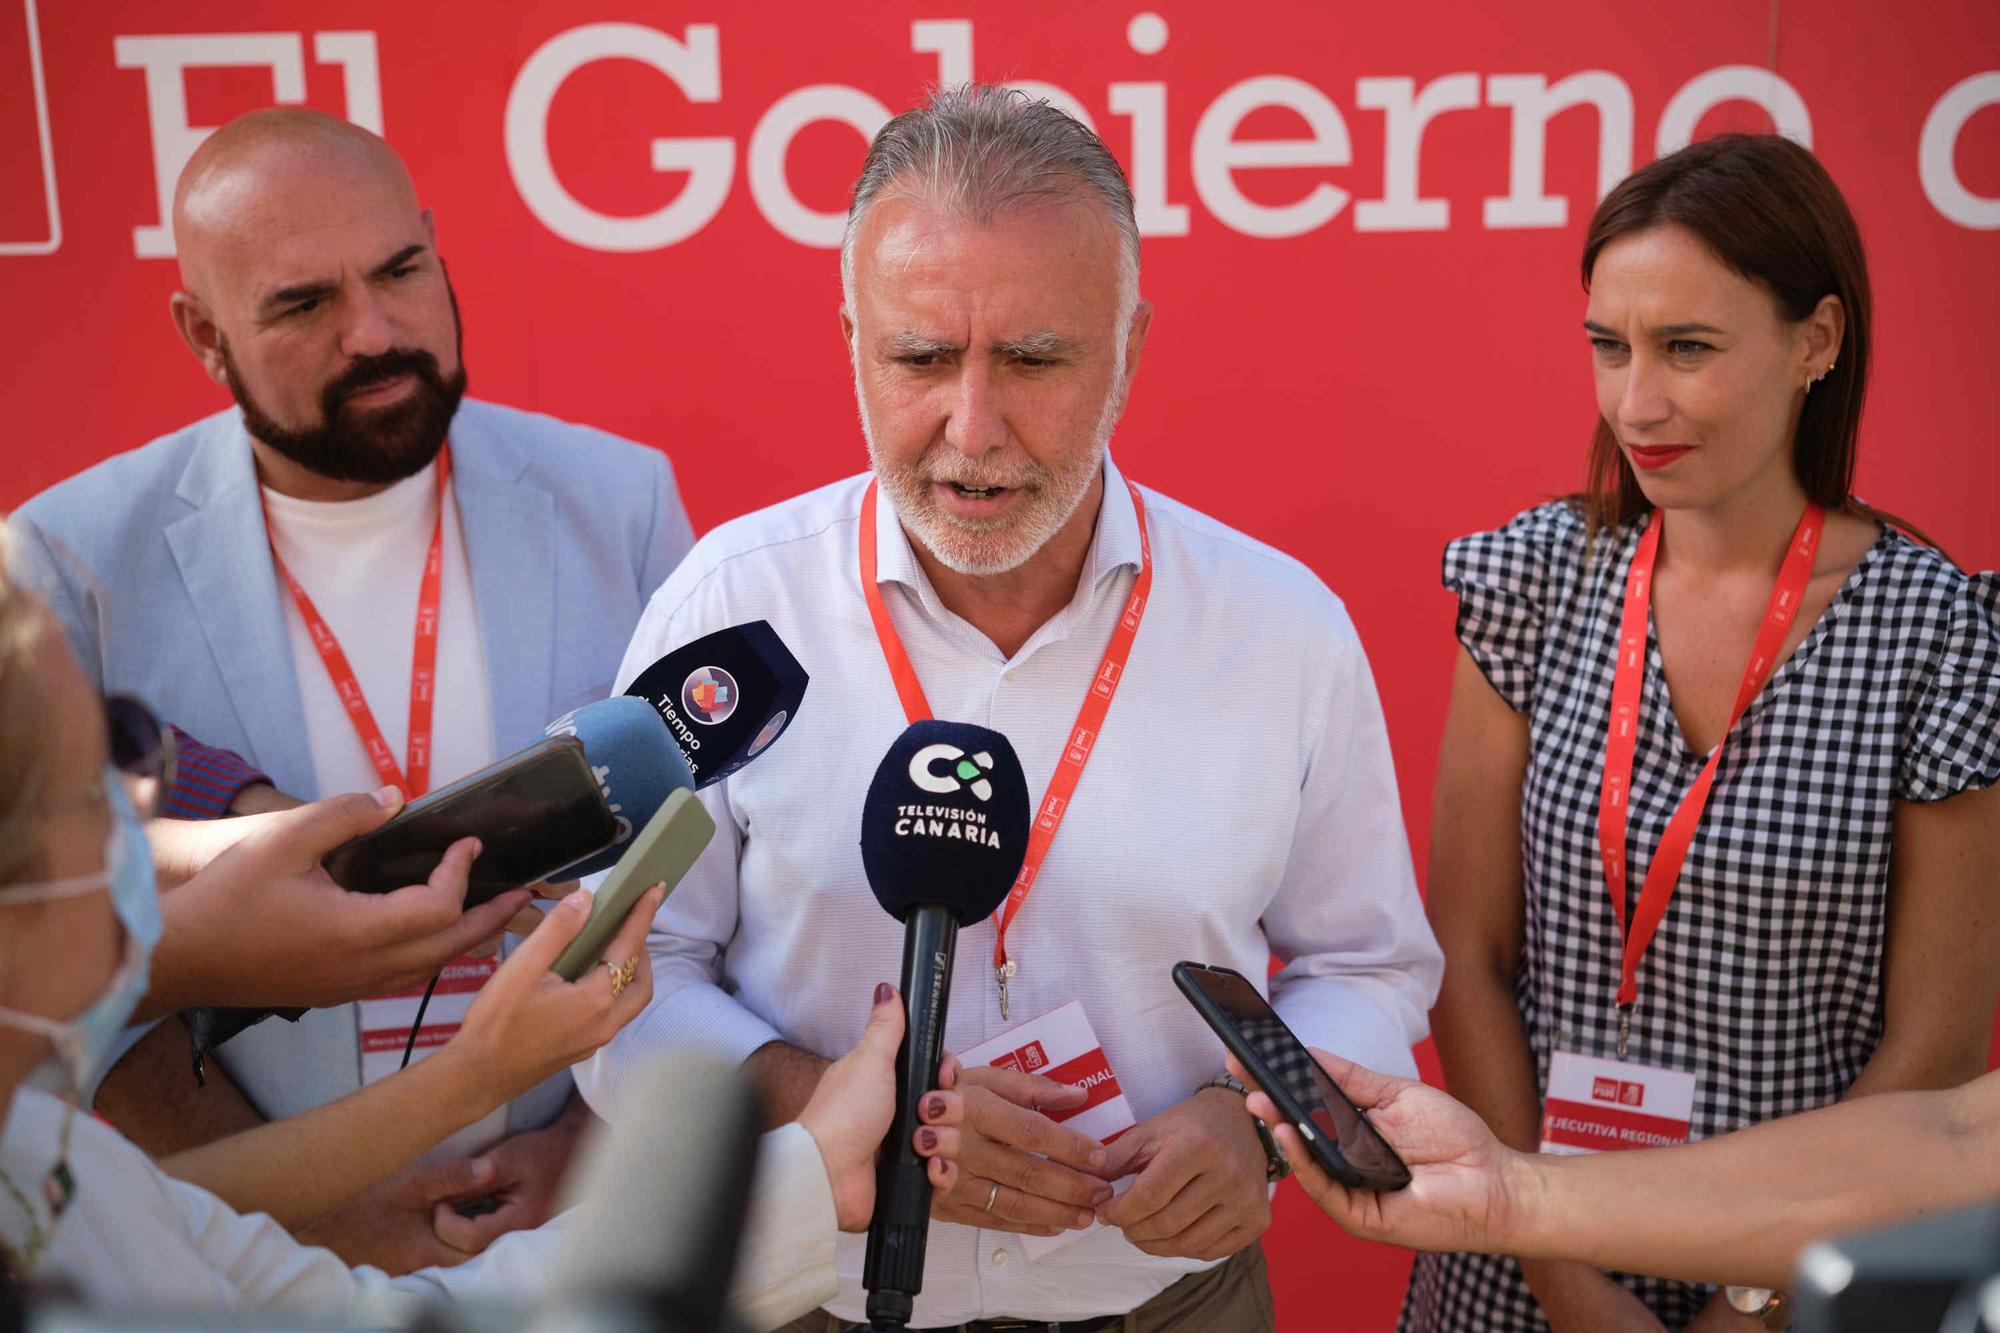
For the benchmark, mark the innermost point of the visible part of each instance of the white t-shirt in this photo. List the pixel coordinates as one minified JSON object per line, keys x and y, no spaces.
{"x":361,"y":562}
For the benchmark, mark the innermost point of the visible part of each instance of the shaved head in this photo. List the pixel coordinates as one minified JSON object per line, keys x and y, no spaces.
{"x":312,"y":289}
{"x":233,"y":181}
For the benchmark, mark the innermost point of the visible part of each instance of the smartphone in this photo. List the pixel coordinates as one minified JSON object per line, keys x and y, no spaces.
{"x":661,"y":852}
{"x":1339,"y":1137}
{"x":534,"y":812}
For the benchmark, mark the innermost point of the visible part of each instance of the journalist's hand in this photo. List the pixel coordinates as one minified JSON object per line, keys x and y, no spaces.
{"x":528,"y":1023}
{"x":1464,"y":1186}
{"x":855,"y":1103}
{"x":263,"y":926}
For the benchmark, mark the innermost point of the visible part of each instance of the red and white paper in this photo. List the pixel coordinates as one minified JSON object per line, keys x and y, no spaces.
{"x":1600,"y":1105}
{"x":385,"y":1019}
{"x":1060,"y":1045}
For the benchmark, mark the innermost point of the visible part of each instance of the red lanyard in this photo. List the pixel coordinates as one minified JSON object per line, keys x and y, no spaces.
{"x":1623,"y":733}
{"x":423,"y":660}
{"x":1089,"y":718}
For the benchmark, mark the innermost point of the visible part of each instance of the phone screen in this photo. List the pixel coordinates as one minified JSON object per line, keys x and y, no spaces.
{"x":534,"y":813}
{"x":1281,"y":1063}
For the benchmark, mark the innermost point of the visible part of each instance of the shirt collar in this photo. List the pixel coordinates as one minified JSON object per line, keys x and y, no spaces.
{"x":1115,"y":545}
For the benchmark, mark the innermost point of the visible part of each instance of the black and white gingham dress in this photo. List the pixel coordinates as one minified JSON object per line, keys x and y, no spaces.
{"x":1765,"y":976}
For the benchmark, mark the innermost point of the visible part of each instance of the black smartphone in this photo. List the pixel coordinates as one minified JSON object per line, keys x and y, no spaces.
{"x":1339,"y":1137}
{"x":533,"y":812}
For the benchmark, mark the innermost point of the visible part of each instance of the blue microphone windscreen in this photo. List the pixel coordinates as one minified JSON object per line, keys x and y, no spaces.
{"x":636,"y":762}
{"x":946,"y":821}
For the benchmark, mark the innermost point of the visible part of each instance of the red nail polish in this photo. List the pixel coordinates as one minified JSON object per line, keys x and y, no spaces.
{"x":933,"y":1107}
{"x":883,"y":991}
{"x":927,"y":1139}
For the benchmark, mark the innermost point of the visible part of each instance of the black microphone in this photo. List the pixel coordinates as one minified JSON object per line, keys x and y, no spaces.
{"x":943,"y":834}
{"x":725,"y":696}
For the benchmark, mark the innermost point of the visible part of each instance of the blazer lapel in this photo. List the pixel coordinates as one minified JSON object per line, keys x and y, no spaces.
{"x":509,"y":523}
{"x":223,"y":556}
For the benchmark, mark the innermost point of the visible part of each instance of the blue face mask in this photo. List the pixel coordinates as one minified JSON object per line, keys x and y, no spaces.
{"x":84,"y":1044}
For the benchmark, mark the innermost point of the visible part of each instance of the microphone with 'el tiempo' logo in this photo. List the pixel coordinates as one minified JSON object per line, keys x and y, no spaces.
{"x":725,"y":697}
{"x":943,"y":835}
{"x":636,"y":762}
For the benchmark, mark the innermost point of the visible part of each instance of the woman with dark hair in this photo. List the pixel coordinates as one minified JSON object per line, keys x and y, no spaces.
{"x":1713,"y":841}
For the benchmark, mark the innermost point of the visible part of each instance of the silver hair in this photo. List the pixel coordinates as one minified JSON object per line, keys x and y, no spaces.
{"x":979,"y":149}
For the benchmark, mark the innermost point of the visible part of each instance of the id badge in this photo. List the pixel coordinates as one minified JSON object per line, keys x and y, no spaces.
{"x":1062,"y":1046}
{"x":1603,"y":1104}
{"x":384,"y":1020}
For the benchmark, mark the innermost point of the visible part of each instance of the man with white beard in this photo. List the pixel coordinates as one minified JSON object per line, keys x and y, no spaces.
{"x":1225,"y":792}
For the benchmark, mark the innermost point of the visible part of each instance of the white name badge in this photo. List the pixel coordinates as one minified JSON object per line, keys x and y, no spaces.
{"x":1604,"y":1105}
{"x":1062,"y":1046}
{"x":384,"y":1020}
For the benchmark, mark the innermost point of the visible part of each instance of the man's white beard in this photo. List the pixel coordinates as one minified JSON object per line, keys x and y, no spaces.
{"x":1049,"y":498}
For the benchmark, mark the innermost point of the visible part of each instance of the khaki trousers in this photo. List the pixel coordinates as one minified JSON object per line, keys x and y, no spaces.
{"x":1232,"y":1297}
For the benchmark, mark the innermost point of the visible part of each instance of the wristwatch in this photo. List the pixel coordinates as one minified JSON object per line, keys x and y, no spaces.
{"x":1276,"y":1168}
{"x":1768,"y":1307}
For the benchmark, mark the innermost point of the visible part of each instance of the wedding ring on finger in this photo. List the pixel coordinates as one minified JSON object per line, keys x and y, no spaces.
{"x":991,"y":1195}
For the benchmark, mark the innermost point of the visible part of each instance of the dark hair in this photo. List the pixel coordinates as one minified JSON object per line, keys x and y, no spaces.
{"x":1765,"y":207}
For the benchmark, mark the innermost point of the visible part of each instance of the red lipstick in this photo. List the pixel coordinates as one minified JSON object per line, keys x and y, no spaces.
{"x":1652,"y":457}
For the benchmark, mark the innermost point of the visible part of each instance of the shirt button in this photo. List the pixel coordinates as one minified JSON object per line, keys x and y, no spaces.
{"x":999,"y":1258}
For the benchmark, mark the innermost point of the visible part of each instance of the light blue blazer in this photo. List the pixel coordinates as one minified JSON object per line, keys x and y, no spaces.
{"x":157,"y":563}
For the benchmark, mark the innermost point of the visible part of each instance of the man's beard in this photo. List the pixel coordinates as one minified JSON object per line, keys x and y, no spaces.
{"x":376,"y":447}
{"x":1049,"y":497}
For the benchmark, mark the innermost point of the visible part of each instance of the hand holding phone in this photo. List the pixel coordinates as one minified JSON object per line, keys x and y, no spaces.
{"x":661,"y":853}
{"x":1337,"y":1134}
{"x":534,"y":813}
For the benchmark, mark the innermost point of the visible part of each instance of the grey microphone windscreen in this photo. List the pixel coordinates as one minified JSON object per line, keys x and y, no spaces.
{"x":661,"y":1197}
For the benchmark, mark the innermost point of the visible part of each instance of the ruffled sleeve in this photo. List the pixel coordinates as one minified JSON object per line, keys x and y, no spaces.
{"x":1953,"y":739}
{"x":1508,"y":582}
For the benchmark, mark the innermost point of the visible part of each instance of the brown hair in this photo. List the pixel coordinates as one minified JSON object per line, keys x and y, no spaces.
{"x":24,"y":751}
{"x":1765,"y":207}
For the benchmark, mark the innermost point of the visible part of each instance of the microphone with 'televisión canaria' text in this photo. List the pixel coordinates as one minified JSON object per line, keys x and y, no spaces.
{"x":943,"y":834}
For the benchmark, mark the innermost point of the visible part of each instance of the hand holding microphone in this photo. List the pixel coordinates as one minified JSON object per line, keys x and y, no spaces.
{"x":851,"y":1109}
{"x":569,"y":805}
{"x":943,"y":834}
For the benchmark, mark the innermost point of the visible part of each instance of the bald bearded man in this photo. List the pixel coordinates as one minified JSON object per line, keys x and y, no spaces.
{"x":253,"y":573}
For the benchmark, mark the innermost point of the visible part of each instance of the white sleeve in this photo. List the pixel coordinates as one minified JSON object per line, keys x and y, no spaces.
{"x":269,"y":1270}
{"x":1361,"y":964}
{"x":259,"y":1260}
{"x":785,"y":1266}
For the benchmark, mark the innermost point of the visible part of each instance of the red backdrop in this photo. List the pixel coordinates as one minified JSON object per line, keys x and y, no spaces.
{"x":1356,"y":356}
